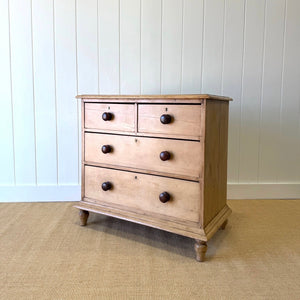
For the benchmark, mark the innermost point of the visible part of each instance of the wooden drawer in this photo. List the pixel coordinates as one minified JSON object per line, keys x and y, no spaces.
{"x":144,"y":153}
{"x":185,"y":120}
{"x":122,"y":116}
{"x":134,"y":191}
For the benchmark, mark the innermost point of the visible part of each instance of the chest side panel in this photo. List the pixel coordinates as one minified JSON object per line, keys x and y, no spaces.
{"x":215,"y":159}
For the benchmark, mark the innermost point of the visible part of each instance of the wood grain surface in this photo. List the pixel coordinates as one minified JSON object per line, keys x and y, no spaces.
{"x":153,"y":97}
{"x":139,"y":191}
{"x":215,"y":166}
{"x":186,"y":119}
{"x":144,"y":153}
{"x":123,"y":116}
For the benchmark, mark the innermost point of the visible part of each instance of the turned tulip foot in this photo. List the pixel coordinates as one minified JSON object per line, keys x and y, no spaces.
{"x":83,"y":216}
{"x":200,"y":248}
{"x":222,"y":227}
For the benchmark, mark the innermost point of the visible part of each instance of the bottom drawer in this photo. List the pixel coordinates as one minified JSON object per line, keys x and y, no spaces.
{"x":141,"y":192}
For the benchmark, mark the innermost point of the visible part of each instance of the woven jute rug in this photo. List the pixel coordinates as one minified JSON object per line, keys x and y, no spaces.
{"x":45,"y":254}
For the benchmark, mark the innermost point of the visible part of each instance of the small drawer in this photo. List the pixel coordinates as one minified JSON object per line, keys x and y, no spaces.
{"x":170,"y":120}
{"x":110,"y":117}
{"x":174,"y":157}
{"x":175,"y":198}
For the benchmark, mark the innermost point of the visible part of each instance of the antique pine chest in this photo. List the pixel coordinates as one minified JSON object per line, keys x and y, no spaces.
{"x":158,"y":160}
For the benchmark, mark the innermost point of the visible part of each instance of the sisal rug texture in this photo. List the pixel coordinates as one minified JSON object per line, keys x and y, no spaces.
{"x":45,"y":254}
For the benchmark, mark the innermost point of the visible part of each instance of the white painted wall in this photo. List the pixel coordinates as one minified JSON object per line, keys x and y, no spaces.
{"x":52,"y":50}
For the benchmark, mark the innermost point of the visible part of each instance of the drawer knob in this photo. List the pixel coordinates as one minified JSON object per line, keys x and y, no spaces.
{"x":106,"y":116}
{"x":165,"y":155}
{"x":164,"y":197}
{"x":106,"y":186}
{"x":165,"y":119}
{"x":106,"y":149}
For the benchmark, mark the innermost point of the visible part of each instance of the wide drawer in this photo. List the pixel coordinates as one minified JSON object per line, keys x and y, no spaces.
{"x":122,"y":116}
{"x":144,"y":153}
{"x":185,"y":120}
{"x":135,"y":191}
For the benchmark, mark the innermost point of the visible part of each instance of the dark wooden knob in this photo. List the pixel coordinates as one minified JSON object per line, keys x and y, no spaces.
{"x":164,"y":197}
{"x":165,"y":155}
{"x":106,"y":186}
{"x":106,"y":116}
{"x":106,"y":149}
{"x":165,"y":119}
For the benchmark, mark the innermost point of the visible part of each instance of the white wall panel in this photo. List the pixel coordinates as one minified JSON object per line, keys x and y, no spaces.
{"x":87,"y":46}
{"x":52,"y":50}
{"x":192,"y":46}
{"x":288,"y":167}
{"x":109,"y":46}
{"x":251,"y":90}
{"x":171,"y":67}
{"x":130,"y":46}
{"x":44,"y":91}
{"x":213,"y":46}
{"x":150,"y":46}
{"x":66,"y":82}
{"x":7,"y":175}
{"x":22,"y":91}
{"x":232,"y":77}
{"x":269,"y":132}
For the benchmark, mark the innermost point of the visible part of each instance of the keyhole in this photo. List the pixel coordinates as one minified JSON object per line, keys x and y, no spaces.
{"x":135,"y":177}
{"x":166,"y":109}
{"x":108,"y":107}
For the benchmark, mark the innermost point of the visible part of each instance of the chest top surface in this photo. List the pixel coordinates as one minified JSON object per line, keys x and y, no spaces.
{"x":153,"y":98}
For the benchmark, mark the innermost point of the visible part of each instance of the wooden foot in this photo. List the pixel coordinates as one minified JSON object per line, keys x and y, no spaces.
{"x":222,"y":227}
{"x":83,"y":215}
{"x":200,"y":248}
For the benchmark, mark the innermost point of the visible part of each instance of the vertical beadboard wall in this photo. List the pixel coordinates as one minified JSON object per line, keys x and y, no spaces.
{"x":52,"y":50}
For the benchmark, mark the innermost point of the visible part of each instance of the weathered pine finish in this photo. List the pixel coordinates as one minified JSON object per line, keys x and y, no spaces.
{"x":188,"y":119}
{"x":200,"y":248}
{"x":215,"y":167}
{"x":83,"y":215}
{"x":223,"y":226}
{"x":144,"y":153}
{"x":136,"y":191}
{"x":152,"y":98}
{"x":158,"y":160}
{"x":122,"y":116}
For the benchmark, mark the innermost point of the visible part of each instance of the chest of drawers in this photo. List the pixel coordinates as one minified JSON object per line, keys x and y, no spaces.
{"x":159,"y":160}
